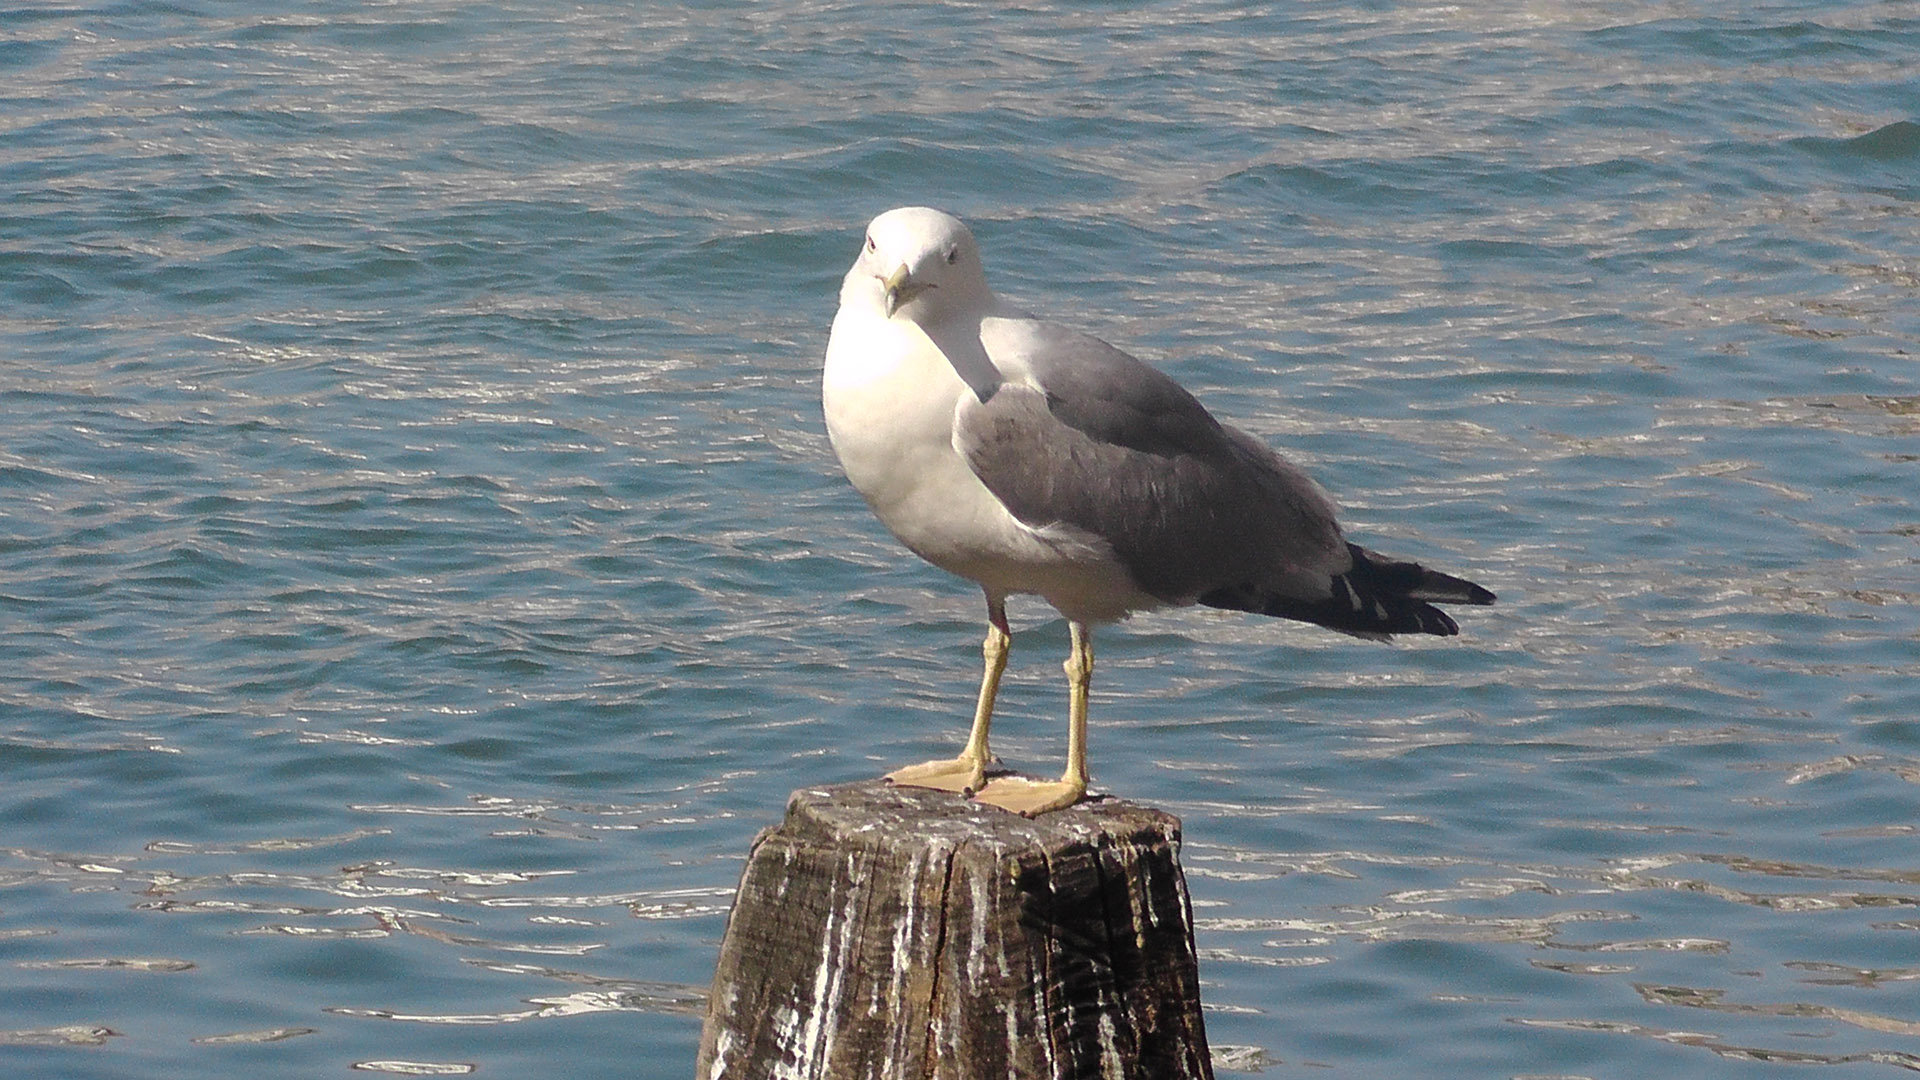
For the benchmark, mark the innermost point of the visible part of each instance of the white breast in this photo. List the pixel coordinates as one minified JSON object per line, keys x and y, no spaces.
{"x":889,"y":398}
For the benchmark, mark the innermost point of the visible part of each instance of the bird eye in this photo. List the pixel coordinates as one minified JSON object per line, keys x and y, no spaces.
{"x":870,"y":244}
{"x":953,"y":256}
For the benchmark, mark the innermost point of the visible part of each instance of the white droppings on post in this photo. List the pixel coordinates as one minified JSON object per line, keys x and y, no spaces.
{"x":905,"y":932}
{"x":1140,"y":893}
{"x":722,"y":1049}
{"x":787,"y":855}
{"x":982,"y":908}
{"x":786,"y":1024}
{"x":1110,"y":1059}
{"x":817,"y":1033}
{"x":1013,"y":1040}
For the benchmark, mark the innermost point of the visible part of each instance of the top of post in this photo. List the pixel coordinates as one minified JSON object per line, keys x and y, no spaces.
{"x":877,"y":812}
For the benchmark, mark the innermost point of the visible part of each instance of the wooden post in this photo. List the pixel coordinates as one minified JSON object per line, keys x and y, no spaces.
{"x":884,"y":933}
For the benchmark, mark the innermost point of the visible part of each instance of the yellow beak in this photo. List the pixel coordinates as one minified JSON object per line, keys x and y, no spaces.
{"x":901,"y":288}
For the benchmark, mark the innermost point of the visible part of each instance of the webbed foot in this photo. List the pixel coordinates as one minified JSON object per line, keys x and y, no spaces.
{"x":962,"y":774}
{"x":1031,"y":798}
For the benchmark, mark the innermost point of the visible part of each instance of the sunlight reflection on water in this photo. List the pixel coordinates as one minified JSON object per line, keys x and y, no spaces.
{"x":424,"y":570}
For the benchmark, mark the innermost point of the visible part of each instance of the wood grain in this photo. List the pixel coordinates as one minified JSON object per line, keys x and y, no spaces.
{"x":902,"y":932}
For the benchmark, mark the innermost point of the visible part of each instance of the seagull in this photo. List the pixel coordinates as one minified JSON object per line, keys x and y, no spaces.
{"x":1031,"y":458}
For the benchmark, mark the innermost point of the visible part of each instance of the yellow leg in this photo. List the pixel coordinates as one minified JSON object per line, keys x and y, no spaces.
{"x":1034,"y":797}
{"x":968,"y":772}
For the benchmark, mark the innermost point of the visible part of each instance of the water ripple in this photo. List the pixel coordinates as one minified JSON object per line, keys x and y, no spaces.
{"x":423,"y":563}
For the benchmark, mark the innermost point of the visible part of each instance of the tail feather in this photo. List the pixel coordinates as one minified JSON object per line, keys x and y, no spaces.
{"x":1377,"y":598}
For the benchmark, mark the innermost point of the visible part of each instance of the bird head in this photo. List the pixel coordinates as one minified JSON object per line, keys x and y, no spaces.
{"x":923,"y":263}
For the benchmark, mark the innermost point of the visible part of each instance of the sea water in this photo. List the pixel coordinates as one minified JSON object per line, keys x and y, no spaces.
{"x":422,"y":567}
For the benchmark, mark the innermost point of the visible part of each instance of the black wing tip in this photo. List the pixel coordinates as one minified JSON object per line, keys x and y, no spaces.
{"x":1377,"y":598}
{"x":1376,"y":617}
{"x":1377,"y":573}
{"x":1436,"y":622}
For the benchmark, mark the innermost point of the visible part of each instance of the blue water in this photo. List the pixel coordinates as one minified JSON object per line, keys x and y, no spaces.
{"x":422,"y":568}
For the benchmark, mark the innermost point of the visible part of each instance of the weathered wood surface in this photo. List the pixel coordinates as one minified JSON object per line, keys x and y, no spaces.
{"x":884,"y":932}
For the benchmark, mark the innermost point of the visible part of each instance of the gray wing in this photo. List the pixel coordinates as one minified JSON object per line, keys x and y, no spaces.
{"x":1115,"y":448}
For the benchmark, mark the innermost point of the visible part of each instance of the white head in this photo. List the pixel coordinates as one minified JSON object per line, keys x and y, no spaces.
{"x":919,"y":264}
